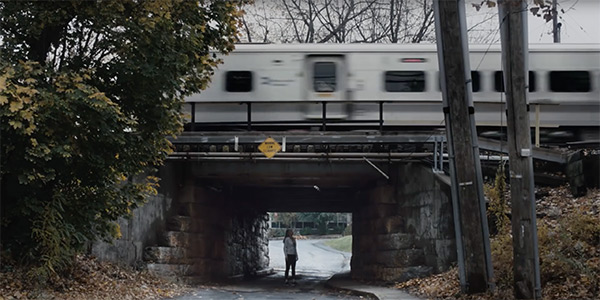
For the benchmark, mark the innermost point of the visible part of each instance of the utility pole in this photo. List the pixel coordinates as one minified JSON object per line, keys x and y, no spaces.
{"x":555,"y":25}
{"x":526,"y":267}
{"x":470,"y":220}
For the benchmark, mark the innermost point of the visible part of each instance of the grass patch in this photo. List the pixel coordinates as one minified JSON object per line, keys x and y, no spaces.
{"x":341,"y":244}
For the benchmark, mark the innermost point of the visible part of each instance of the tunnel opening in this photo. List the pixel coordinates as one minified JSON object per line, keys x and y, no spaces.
{"x":323,"y":243}
{"x":218,"y":223}
{"x":402,"y":226}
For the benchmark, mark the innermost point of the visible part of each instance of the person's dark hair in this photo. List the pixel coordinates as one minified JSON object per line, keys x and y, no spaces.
{"x":289,"y":233}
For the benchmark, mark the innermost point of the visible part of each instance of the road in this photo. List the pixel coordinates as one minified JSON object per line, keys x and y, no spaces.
{"x":313,"y":258}
{"x":315,"y":265}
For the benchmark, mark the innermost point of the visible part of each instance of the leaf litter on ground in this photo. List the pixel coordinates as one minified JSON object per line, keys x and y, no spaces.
{"x":569,"y":253}
{"x":92,"y":279}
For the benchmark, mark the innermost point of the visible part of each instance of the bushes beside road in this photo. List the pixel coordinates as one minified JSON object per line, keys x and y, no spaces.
{"x":342,"y":244}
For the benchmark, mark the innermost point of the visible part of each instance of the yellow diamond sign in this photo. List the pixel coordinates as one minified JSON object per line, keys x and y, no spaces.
{"x":269,"y":147}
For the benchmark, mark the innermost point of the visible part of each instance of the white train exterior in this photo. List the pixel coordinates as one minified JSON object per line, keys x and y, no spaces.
{"x":288,"y":82}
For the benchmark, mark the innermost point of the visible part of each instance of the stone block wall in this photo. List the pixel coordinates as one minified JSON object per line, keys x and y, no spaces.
{"x":404,"y":227}
{"x":192,"y":247}
{"x":144,"y":227}
{"x":209,"y":237}
{"x":191,"y":232}
{"x":247,"y":244}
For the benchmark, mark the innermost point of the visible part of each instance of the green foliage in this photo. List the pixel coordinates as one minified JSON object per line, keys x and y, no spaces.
{"x":321,"y":222}
{"x":348,"y":230}
{"x":567,"y":250}
{"x":502,"y":258}
{"x":336,"y":229}
{"x":497,"y":202}
{"x":276,"y":232}
{"x":567,"y":247}
{"x":88,"y":92}
{"x":288,"y":219}
{"x":307,"y":231}
{"x":341,"y":244}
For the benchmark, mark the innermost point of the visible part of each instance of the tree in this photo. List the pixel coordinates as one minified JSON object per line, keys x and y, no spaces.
{"x":339,"y":21}
{"x":89,"y":90}
{"x":287,"y":219}
{"x":366,"y":21}
{"x":545,"y":9}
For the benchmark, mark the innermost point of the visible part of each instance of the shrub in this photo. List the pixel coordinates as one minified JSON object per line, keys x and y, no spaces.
{"x":568,"y":253}
{"x":497,"y":202}
{"x":568,"y":250}
{"x":347,"y":230}
{"x":276,"y":232}
{"x":307,"y":231}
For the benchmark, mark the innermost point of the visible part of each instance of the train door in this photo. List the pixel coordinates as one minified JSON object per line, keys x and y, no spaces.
{"x":326,"y":82}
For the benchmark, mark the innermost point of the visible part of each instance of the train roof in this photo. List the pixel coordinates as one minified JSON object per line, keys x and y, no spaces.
{"x":379,"y":48}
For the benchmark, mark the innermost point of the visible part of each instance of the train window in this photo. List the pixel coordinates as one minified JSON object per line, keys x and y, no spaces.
{"x":238,"y":81}
{"x":475,"y":81}
{"x":404,"y":81}
{"x":570,"y":81}
{"x":324,"y":77}
{"x":499,"y":81}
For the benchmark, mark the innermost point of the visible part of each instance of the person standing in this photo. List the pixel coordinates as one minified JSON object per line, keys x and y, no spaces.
{"x":291,"y":255}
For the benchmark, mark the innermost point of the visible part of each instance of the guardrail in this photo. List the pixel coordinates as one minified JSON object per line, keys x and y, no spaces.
{"x":326,"y":119}
{"x":323,"y":121}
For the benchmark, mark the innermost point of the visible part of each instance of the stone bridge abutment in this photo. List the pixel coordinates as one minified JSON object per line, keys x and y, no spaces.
{"x":404,"y":228}
{"x":210,"y":236}
{"x":202,"y":229}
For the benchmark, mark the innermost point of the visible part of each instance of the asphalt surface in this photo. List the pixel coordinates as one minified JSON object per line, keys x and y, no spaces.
{"x":272,"y":287}
{"x":313,"y":258}
{"x":316,"y":264}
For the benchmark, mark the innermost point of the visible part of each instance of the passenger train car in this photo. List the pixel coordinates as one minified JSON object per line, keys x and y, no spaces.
{"x":286,"y":85}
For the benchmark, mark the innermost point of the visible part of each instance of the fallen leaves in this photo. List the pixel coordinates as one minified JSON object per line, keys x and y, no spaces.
{"x":569,"y":253}
{"x":91,"y":279}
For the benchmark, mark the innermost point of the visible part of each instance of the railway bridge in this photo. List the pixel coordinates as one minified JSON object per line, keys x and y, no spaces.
{"x":209,"y":220}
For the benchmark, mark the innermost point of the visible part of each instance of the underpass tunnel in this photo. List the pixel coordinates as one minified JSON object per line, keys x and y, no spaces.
{"x":303,"y":194}
{"x":246,"y":190}
{"x":218,"y":226}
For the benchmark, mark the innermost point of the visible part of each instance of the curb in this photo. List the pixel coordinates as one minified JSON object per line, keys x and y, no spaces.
{"x":343,"y":282}
{"x":352,"y":291}
{"x":329,"y":283}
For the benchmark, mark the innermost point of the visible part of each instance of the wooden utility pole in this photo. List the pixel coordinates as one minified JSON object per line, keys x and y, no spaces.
{"x":472,"y":236}
{"x":526,"y":268}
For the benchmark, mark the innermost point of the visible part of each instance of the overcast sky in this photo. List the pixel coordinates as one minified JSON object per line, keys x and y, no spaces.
{"x":580,"y":22}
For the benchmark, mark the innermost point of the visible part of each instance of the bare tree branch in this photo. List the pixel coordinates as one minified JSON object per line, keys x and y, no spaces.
{"x":342,"y":21}
{"x":247,"y":29}
{"x":426,"y":24}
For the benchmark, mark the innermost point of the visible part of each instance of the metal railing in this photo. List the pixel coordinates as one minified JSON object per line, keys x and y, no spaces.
{"x":323,"y":121}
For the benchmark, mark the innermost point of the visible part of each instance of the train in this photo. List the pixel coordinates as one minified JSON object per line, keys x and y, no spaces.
{"x":392,"y":86}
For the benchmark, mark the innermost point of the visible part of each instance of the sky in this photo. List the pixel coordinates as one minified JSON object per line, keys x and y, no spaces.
{"x":580,"y":22}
